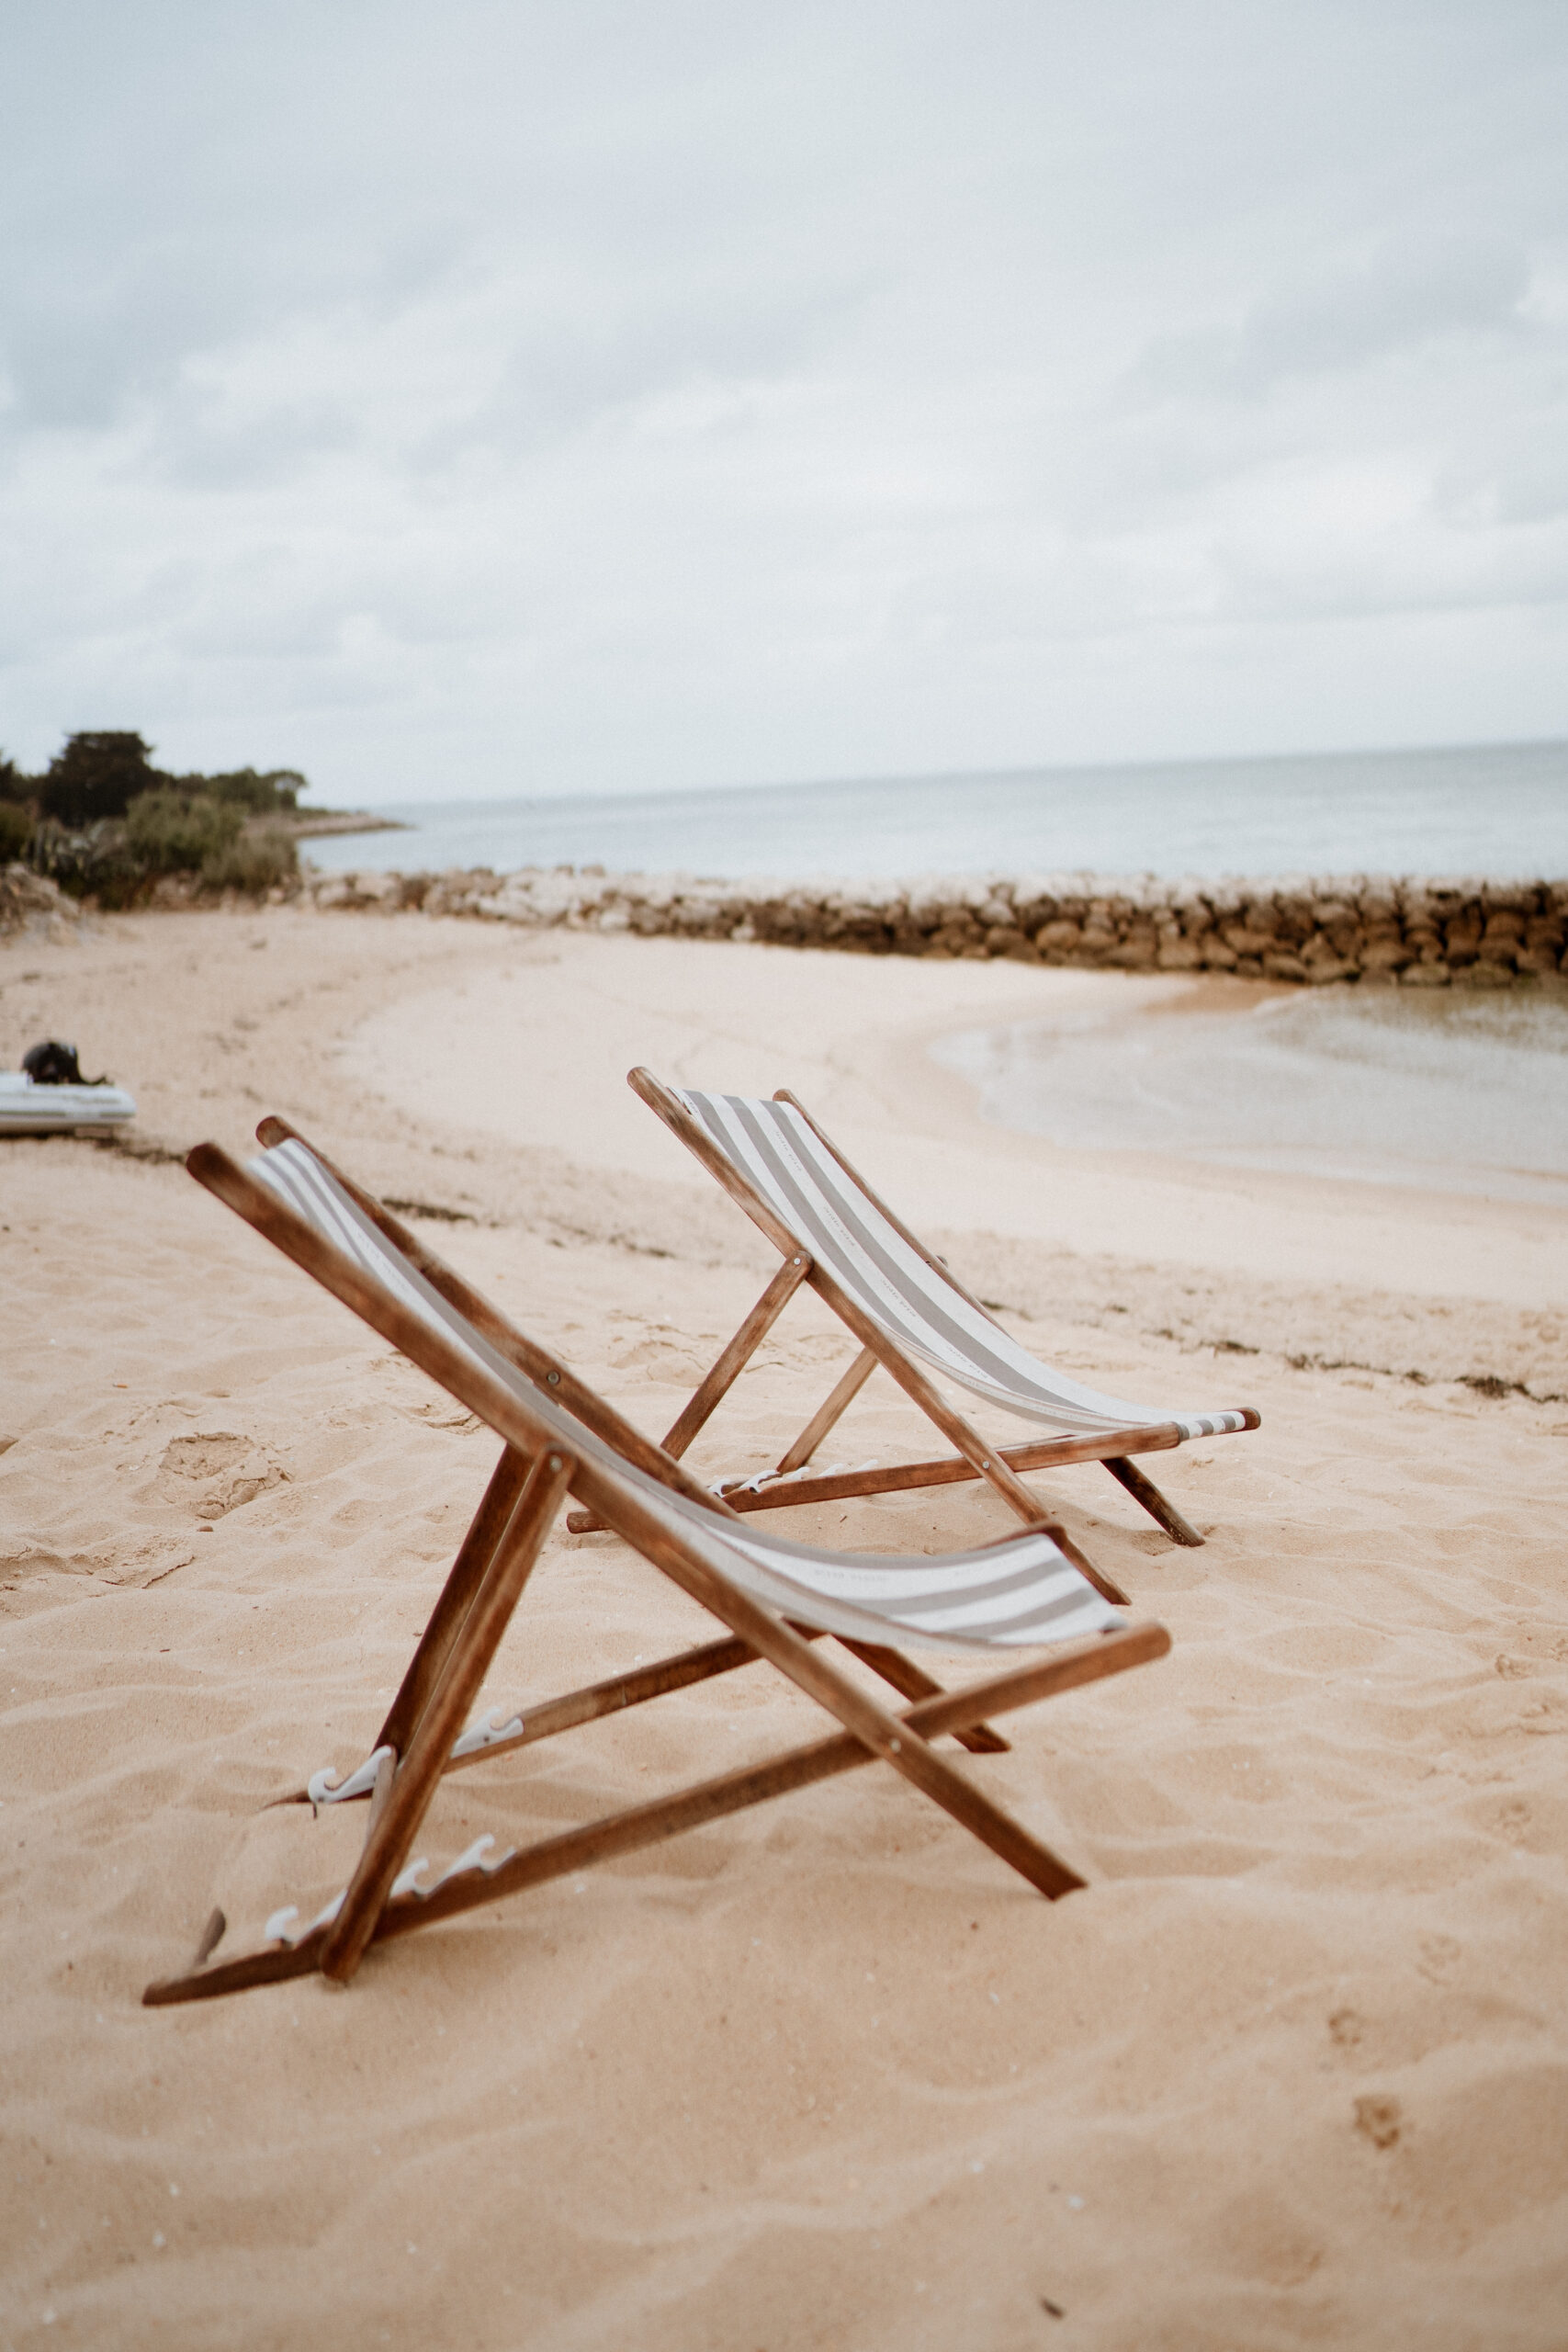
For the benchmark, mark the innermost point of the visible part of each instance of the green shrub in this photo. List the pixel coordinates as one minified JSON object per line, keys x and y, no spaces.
{"x":95,"y":860}
{"x":168,"y":833}
{"x":257,"y":861}
{"x":16,"y":830}
{"x":259,"y":796}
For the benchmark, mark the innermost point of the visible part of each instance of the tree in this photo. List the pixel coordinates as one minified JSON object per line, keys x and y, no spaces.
{"x":97,"y":776}
{"x":14,"y":786}
{"x":16,"y":830}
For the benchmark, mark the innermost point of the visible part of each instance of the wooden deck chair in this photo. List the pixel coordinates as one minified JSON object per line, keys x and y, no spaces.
{"x":774,"y":1598}
{"x":910,"y":1314}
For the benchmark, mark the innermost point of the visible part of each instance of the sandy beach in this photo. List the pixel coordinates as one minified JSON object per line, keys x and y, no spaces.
{"x":1292,"y":2070}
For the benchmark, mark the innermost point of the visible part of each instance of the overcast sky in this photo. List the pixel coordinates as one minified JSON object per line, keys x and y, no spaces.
{"x":501,"y":398}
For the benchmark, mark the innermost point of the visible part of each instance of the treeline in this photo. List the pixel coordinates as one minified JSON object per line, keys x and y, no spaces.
{"x":103,"y":822}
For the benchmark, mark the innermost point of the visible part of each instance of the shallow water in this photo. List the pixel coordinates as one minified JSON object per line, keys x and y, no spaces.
{"x":1453,"y":1092}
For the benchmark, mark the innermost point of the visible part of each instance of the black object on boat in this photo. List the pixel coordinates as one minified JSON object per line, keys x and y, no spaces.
{"x":54,"y":1064}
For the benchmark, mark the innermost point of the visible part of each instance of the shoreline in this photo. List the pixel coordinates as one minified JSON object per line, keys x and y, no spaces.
{"x":529,"y":1050}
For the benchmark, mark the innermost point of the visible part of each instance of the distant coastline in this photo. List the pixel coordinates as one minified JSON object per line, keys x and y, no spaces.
{"x":320,"y":824}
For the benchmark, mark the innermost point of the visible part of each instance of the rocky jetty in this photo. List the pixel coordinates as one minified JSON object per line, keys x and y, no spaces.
{"x":1410,"y":933}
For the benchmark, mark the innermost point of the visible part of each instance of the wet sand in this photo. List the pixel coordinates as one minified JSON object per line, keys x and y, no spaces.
{"x":1454,"y":1091}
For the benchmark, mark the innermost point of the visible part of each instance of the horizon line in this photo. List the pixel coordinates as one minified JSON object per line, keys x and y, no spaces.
{"x":972,"y":776}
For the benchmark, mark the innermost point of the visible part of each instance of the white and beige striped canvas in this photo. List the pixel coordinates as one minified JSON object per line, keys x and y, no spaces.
{"x":1022,"y":1592}
{"x":781,"y":1155}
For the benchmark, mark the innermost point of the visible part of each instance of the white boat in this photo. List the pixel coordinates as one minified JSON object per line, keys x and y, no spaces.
{"x":28,"y":1109}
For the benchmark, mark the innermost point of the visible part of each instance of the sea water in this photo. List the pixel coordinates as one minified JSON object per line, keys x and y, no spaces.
{"x":1497,"y":810}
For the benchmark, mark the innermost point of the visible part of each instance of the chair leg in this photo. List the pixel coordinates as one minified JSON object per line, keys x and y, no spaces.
{"x":933,"y":1773}
{"x":584,"y":1522}
{"x":1159,"y":1507}
{"x":728,"y":1366}
{"x":450,"y":1612}
{"x":727,"y":1369}
{"x":912,"y":1681}
{"x":990,"y":1460}
{"x":822,"y":1420}
{"x":395,"y":1818}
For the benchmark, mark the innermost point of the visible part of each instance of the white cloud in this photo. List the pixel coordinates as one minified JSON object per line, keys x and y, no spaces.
{"x":534,"y":398}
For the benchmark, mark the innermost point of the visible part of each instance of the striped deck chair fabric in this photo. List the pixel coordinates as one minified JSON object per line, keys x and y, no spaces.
{"x":1028,"y":1593}
{"x":907,"y":1306}
{"x":916,"y":1304}
{"x":778,"y":1599}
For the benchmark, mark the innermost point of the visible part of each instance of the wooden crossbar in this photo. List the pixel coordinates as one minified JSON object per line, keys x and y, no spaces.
{"x":635,"y":1688}
{"x":649,"y":1824}
{"x":774,"y":1491}
{"x":612,"y":1696}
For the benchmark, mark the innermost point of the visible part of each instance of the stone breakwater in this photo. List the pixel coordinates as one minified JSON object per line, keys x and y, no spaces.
{"x":1415,"y":934}
{"x":1412,"y":933}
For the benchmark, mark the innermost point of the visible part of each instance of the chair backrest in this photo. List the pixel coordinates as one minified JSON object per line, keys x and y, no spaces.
{"x":1026,"y":1594}
{"x":781,"y":1156}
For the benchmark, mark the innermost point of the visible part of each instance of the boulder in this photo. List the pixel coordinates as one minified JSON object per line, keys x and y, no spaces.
{"x":1249,"y":938}
{"x":1321,"y":969}
{"x":1005,"y":939}
{"x":1136,"y":953}
{"x":1062,"y":936}
{"x":1179,"y":955}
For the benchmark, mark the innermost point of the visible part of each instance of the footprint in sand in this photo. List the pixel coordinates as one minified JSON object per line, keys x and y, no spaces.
{"x":1380,"y":2121}
{"x":216,"y":1472}
{"x":1440,"y":1955}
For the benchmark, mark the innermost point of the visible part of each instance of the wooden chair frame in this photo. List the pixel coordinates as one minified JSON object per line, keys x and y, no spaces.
{"x":1000,"y":1466}
{"x":418,"y":1742}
